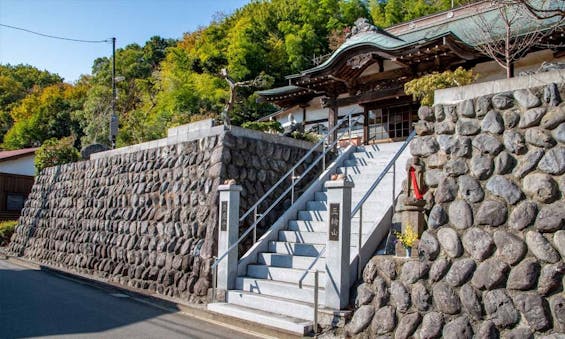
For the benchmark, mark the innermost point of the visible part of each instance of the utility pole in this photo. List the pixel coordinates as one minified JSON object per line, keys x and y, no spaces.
{"x":114,"y":117}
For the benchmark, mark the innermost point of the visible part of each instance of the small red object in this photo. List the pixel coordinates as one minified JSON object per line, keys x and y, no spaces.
{"x":417,"y":192}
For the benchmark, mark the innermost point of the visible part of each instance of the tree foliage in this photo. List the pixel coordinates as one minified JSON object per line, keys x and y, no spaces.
{"x":55,"y":152}
{"x":165,"y":82}
{"x":423,"y":88}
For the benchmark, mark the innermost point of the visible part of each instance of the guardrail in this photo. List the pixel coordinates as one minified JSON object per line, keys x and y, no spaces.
{"x":258,"y":217}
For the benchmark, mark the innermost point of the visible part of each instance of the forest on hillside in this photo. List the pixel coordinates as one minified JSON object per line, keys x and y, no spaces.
{"x":170,"y":82}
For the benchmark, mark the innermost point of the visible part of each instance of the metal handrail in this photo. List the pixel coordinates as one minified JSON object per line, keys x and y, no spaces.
{"x":359,"y":206}
{"x":260,"y":217}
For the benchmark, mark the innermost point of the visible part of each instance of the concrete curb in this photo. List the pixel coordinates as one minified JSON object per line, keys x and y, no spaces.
{"x":169,"y":304}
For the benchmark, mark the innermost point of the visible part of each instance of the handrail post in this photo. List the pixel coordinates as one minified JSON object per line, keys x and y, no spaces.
{"x":316,"y":283}
{"x":360,"y":243}
{"x":349,"y":122}
{"x":292,"y":189}
{"x":338,"y":244}
{"x":393,"y":181}
{"x":228,"y":232}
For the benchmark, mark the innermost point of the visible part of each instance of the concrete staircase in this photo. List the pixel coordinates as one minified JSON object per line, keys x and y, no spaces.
{"x":278,"y":290}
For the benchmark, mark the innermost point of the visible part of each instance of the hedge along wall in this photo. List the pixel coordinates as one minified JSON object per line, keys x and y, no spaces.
{"x":491,"y":261}
{"x":147,"y":219}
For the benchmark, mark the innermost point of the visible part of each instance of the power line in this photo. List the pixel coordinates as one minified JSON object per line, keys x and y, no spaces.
{"x":56,"y":37}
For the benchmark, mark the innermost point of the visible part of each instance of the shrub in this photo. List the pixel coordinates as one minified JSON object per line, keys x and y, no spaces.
{"x":423,"y":88}
{"x":7,"y":228}
{"x":306,"y":136}
{"x":264,"y":126}
{"x":56,"y":152}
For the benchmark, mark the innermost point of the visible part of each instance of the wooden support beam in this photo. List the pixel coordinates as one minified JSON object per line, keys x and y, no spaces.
{"x":365,"y":97}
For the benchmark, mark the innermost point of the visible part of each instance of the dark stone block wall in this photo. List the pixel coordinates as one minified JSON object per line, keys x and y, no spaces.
{"x":147,"y":219}
{"x":492,"y":259}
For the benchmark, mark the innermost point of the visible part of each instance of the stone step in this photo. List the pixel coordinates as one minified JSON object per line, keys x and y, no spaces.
{"x":303,"y":237}
{"x":291,"y":308}
{"x":307,"y":225}
{"x":316,"y":205}
{"x":309,"y":250}
{"x":286,"y":323}
{"x":363,"y":162}
{"x":316,"y":237}
{"x":279,"y":289}
{"x":291,"y":261}
{"x":312,"y":215}
{"x":290,"y":275}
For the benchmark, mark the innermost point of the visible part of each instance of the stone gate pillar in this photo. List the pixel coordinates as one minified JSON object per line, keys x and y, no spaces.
{"x":228,"y":232}
{"x":338,"y":244}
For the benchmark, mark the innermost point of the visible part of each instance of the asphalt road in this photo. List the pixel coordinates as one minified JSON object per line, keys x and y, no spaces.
{"x":40,"y":304}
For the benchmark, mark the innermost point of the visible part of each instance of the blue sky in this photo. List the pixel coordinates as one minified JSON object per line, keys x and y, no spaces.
{"x":130,"y":21}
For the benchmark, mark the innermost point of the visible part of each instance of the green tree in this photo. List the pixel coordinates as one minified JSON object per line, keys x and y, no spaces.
{"x":55,"y":152}
{"x":423,"y":88}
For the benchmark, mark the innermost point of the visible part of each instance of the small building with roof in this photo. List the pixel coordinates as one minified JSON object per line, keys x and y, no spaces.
{"x":366,"y":74}
{"x":17,"y":171}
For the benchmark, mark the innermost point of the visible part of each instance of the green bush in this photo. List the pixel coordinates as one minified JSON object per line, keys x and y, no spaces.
{"x":56,"y":152}
{"x":264,"y":126}
{"x":306,"y":136}
{"x":423,"y":88}
{"x":7,"y":228}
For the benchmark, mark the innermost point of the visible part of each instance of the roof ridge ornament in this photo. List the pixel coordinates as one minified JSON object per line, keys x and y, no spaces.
{"x":362,"y":25}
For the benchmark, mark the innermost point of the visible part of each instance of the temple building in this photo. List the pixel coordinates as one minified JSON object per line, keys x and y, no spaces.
{"x":366,"y":74}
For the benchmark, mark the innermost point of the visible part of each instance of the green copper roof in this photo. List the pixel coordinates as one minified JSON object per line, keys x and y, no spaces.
{"x":464,"y":28}
{"x":280,"y":90}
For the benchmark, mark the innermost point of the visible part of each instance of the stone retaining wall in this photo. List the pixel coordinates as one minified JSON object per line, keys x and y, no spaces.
{"x":492,"y":259}
{"x":147,"y":218}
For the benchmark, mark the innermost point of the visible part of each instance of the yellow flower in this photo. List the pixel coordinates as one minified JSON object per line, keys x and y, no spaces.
{"x":408,"y":237}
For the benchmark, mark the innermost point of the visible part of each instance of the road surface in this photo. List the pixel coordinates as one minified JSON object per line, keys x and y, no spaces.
{"x":40,"y":304}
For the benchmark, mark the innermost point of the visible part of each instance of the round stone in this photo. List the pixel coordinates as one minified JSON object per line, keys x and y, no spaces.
{"x":539,"y":137}
{"x":445,"y":298}
{"x":559,"y":242}
{"x":471,"y":302}
{"x":460,"y":271}
{"x":460,"y":214}
{"x":492,"y":123}
{"x":364,"y":295}
{"x":523,"y":215}
{"x":470,"y":189}
{"x":490,"y":274}
{"x":428,"y":246}
{"x":400,"y":297}
{"x":384,"y":320}
{"x":504,"y":163}
{"x":420,"y":297}
{"x":502,"y":101}
{"x":525,"y":275}
{"x":529,"y":162}
{"x":487,"y":144}
{"x":437,"y":217}
{"x":540,"y":187}
{"x":514,"y":142}
{"x":511,"y":118}
{"x":459,"y":328}
{"x":532,"y":306}
{"x":456,"y":167}
{"x":553,"y":118}
{"x":466,"y":109}
{"x":492,"y":213}
{"x":478,"y":243}
{"x":504,"y":188}
{"x":431,"y":325}
{"x":361,"y":319}
{"x":467,"y":127}
{"x":559,"y":133}
{"x":412,"y":271}
{"x":425,"y":113}
{"x":526,"y":98}
{"x":532,"y":117}
{"x":510,"y":248}
{"x":553,"y":162}
{"x":407,"y":325}
{"x":500,"y":309}
{"x":482,"y":166}
{"x":541,"y":247}
{"x":438,"y":269}
{"x":550,"y":278}
{"x":446,"y":190}
{"x":424,"y":146}
{"x":450,"y":242}
{"x":482,"y":106}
